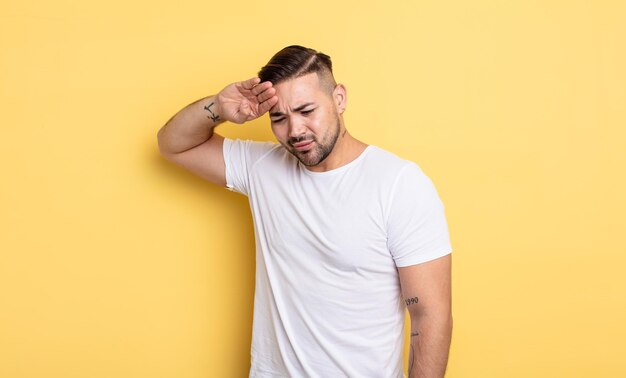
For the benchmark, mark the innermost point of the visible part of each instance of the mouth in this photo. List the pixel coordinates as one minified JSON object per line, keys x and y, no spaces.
{"x":303,"y":146}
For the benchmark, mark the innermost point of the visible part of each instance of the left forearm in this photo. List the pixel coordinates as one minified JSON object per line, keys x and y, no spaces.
{"x":431,"y":315}
{"x":430,"y":344}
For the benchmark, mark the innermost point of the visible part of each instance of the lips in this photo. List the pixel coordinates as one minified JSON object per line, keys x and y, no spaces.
{"x":303,"y":146}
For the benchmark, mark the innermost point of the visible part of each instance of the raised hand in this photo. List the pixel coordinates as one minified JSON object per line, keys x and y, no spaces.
{"x":246,"y":100}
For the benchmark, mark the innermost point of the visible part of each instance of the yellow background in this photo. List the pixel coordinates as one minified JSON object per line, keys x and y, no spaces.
{"x":114,"y":263}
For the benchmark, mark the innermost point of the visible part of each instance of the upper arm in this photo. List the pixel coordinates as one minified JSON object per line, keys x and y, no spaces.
{"x":417,"y":230}
{"x":430,"y":283}
{"x":205,"y":160}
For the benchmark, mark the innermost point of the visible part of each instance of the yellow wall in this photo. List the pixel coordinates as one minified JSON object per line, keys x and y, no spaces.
{"x":114,"y":263}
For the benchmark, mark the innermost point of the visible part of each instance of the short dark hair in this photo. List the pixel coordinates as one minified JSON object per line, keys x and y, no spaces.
{"x":295,"y":61}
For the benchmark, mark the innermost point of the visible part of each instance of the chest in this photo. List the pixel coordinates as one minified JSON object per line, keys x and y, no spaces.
{"x":338,"y":221}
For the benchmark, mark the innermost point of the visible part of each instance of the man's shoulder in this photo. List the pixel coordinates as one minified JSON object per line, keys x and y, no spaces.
{"x":253,"y":150}
{"x":381,"y":153}
{"x":396,"y":171}
{"x":387,"y":160}
{"x":251,"y":144}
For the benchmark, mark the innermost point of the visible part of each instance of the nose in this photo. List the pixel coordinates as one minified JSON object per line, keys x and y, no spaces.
{"x":296,"y":128}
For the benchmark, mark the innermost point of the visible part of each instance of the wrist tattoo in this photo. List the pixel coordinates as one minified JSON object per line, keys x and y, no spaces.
{"x":411,"y":301}
{"x":214,"y":117}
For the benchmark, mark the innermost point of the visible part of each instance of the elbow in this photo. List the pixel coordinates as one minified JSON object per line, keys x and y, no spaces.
{"x":160,"y":137}
{"x":446,"y":322}
{"x":436,"y":319}
{"x":161,"y":143}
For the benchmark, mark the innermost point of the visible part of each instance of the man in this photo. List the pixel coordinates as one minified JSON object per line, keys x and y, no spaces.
{"x":348,"y":236}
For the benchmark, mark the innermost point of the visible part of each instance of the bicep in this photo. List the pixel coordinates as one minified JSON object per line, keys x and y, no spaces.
{"x":205,"y":160}
{"x":426,"y":287}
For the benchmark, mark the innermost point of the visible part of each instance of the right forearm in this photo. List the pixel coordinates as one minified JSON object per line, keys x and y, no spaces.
{"x":190,"y":127}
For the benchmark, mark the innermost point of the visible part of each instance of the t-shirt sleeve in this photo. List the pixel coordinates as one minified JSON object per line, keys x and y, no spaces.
{"x":417,"y":229}
{"x":240,"y":157}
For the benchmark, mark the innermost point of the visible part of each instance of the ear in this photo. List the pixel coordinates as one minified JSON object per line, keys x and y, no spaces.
{"x":340,"y":97}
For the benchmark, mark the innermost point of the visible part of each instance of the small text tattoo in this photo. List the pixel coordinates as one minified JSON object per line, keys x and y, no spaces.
{"x":214,"y":117}
{"x":411,"y":301}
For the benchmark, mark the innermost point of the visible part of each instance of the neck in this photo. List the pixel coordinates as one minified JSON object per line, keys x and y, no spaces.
{"x":346,"y":149}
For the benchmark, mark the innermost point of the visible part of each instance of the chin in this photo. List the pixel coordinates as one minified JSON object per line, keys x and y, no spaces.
{"x":316,"y":157}
{"x":308,"y":161}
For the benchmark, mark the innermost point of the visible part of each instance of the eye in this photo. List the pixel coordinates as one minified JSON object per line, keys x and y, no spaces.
{"x":279,"y":120}
{"x":307,"y":112}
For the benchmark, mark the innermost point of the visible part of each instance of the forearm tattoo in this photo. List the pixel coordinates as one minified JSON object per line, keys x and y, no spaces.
{"x":214,"y":117}
{"x":411,"y":301}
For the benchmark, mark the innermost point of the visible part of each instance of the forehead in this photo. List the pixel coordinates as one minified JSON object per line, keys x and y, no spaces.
{"x":297,"y":91}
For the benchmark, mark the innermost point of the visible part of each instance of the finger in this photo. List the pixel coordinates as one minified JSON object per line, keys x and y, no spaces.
{"x":261,"y":87}
{"x":267,"y":105}
{"x":250,"y":83}
{"x":266,"y":94}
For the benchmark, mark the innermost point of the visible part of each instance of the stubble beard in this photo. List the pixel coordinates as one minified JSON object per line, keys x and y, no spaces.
{"x":321,"y":150}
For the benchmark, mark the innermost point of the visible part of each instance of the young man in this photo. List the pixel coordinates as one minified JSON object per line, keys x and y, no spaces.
{"x":348,"y":235}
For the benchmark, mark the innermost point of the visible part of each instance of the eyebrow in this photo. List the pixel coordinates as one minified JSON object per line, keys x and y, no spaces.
{"x":277,"y":114}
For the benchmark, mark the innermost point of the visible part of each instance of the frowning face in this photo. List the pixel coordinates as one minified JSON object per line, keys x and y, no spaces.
{"x":306,"y":120}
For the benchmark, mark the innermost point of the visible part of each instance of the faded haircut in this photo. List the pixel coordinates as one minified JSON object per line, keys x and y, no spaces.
{"x":295,"y":61}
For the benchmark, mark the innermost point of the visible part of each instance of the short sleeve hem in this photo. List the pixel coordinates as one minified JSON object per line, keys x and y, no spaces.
{"x":422,"y":258}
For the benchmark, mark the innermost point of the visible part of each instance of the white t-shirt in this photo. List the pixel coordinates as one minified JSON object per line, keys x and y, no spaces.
{"x":327,"y":300}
